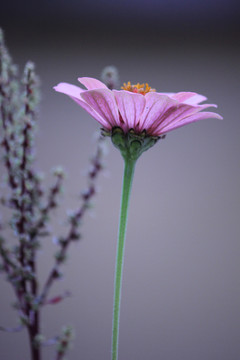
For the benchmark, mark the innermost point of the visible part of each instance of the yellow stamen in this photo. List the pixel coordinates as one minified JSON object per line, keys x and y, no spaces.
{"x":137,"y":88}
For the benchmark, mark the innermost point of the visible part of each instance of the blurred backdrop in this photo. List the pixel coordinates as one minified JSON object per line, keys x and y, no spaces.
{"x":181,"y":290}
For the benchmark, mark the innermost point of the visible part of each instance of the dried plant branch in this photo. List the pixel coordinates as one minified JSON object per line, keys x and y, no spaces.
{"x":30,"y":206}
{"x":75,"y":219}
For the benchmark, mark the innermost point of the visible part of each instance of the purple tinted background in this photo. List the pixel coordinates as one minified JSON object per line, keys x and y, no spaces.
{"x":181,"y":295}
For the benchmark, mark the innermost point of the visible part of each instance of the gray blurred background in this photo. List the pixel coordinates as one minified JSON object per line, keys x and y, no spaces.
{"x":181,"y":291}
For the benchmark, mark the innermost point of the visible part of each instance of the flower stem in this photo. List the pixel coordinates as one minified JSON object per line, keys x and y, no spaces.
{"x":126,"y":190}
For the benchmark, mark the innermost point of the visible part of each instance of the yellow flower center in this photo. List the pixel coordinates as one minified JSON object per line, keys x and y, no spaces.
{"x":137,"y":88}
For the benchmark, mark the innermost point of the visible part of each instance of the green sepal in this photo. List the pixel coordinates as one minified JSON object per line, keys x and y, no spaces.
{"x":130,"y":144}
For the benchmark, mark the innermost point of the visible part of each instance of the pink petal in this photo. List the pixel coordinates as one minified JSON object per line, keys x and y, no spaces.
{"x":165,"y":93}
{"x":196,"y":99}
{"x":74,"y":93}
{"x":69,"y":89}
{"x":130,"y":106}
{"x":187,"y":120}
{"x":156,"y":106}
{"x":177,"y":113}
{"x":180,"y":112}
{"x":91,"y":83}
{"x":190,"y":98}
{"x":103,"y":102}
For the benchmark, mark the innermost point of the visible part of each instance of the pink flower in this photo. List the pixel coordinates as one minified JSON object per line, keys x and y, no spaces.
{"x":137,"y":107}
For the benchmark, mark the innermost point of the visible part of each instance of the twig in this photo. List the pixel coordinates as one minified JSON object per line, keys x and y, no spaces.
{"x":75,"y":220}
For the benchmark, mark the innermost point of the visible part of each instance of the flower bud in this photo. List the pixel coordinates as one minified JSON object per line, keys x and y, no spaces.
{"x":110,"y":77}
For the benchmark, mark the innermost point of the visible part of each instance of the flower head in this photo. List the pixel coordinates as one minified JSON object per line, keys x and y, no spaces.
{"x":137,"y":116}
{"x":138,"y":107}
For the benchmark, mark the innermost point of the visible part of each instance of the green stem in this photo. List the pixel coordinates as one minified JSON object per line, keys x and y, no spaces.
{"x":126,"y":190}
